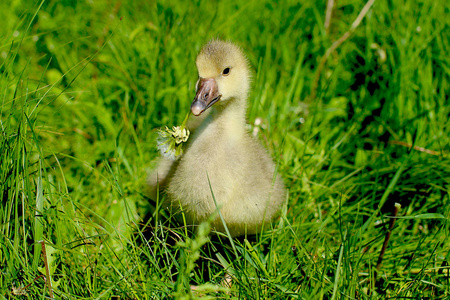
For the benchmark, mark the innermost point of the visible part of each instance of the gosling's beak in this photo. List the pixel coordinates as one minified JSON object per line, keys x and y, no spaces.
{"x":207,"y":95}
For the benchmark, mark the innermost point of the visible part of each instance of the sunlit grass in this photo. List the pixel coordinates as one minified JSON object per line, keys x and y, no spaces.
{"x":84,"y":87}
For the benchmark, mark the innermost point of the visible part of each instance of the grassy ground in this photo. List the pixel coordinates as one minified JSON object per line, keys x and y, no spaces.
{"x":84,"y":85}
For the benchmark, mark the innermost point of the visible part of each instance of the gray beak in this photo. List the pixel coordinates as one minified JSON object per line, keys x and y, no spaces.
{"x":207,"y":95}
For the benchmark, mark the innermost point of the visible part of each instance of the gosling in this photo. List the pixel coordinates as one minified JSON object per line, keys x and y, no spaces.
{"x":223,"y":167}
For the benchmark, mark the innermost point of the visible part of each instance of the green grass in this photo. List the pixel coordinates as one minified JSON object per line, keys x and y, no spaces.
{"x":83,"y":86}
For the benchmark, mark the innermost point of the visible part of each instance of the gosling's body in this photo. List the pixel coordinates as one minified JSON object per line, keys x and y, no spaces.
{"x":221,"y":157}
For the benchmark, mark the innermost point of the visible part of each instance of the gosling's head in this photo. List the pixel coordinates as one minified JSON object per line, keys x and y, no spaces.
{"x":223,"y":75}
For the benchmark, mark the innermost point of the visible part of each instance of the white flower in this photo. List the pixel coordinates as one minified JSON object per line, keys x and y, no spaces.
{"x":170,"y":142}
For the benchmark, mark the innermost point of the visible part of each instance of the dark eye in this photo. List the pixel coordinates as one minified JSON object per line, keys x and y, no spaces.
{"x":226,"y":72}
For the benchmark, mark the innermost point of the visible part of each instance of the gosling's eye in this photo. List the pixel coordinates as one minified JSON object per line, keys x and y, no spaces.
{"x":226,"y":72}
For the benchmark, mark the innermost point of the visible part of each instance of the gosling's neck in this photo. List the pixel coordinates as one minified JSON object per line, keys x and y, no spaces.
{"x":229,"y":118}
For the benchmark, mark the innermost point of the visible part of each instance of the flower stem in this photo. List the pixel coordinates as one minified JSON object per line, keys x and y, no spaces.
{"x":183,"y":125}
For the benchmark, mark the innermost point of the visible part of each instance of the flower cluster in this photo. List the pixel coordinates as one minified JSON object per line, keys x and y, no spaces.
{"x":170,"y":141}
